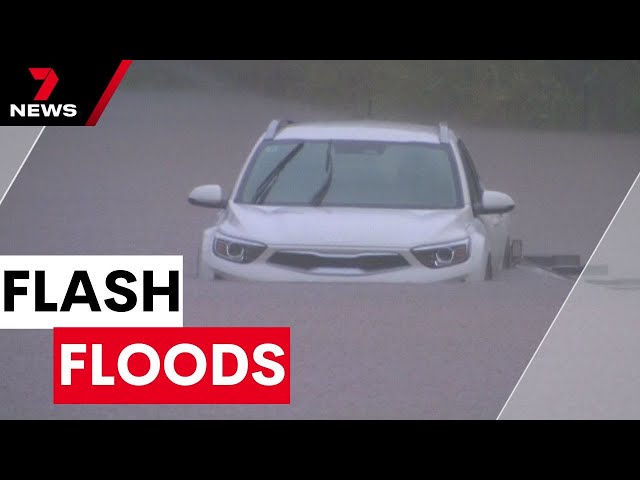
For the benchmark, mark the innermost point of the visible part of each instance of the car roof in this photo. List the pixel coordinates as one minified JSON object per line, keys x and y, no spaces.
{"x":368,"y":130}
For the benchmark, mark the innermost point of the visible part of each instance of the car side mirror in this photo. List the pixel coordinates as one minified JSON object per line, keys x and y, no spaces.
{"x":495,"y":203}
{"x":209,"y":196}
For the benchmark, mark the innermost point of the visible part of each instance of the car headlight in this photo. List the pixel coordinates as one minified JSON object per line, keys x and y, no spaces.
{"x":235,"y":249}
{"x":443,"y":255}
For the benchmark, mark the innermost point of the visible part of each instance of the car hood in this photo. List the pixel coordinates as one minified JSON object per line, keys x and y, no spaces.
{"x":343,"y":226}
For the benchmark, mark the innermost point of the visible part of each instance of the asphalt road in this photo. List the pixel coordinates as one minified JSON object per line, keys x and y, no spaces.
{"x":358,"y":351}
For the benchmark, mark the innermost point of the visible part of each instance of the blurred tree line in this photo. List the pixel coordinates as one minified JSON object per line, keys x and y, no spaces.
{"x":564,"y":94}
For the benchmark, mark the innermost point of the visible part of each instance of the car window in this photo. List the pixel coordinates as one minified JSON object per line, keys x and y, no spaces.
{"x":302,"y":174}
{"x":358,"y":173}
{"x":475,"y":186}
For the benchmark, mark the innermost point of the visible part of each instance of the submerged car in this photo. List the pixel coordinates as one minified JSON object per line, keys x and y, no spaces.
{"x":356,"y":201}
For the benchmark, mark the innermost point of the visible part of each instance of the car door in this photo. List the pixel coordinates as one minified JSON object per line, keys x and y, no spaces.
{"x":496,"y":225}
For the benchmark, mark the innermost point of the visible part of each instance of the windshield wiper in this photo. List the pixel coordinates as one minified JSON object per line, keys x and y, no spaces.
{"x":265,"y":186}
{"x":318,"y":197}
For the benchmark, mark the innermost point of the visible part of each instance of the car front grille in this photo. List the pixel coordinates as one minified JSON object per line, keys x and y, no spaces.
{"x":362,"y":262}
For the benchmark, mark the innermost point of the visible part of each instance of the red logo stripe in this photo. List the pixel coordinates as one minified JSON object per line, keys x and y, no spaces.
{"x":50,"y":80}
{"x":108,"y":93}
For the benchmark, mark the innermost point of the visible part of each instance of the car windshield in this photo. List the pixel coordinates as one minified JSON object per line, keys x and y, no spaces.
{"x":352,"y":174}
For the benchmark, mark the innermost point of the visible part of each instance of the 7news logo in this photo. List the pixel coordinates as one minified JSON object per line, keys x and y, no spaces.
{"x":49,"y":81}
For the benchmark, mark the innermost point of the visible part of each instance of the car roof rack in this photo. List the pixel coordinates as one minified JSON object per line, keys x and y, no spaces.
{"x":443,"y":132}
{"x":274,"y":127}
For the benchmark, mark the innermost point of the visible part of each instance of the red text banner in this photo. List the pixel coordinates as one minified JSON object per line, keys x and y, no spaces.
{"x":165,"y":365}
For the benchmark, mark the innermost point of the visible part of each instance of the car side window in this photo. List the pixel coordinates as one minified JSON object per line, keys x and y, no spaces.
{"x":475,"y":186}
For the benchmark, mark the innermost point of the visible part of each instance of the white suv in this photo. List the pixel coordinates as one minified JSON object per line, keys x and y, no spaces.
{"x":356,"y":201}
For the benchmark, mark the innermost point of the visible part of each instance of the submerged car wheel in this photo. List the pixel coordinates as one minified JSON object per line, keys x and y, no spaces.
{"x":203,"y":272}
{"x":488,"y":272}
{"x":507,"y":260}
